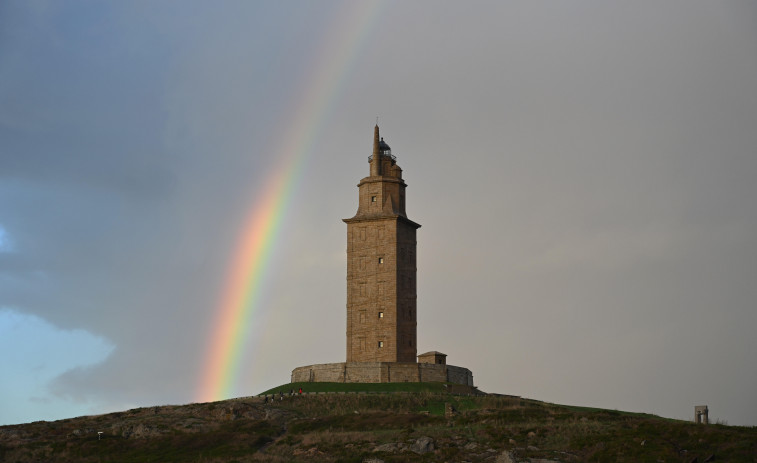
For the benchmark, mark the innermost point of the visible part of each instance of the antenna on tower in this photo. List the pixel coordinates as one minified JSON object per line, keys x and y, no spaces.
{"x":376,"y":120}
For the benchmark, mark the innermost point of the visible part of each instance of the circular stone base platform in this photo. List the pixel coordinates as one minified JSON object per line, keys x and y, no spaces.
{"x":382,"y":372}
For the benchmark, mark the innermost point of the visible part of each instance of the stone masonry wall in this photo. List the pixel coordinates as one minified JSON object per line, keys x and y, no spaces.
{"x":459,"y":375}
{"x":382,"y":372}
{"x":431,"y":373}
{"x":372,"y":291}
{"x":406,"y":299}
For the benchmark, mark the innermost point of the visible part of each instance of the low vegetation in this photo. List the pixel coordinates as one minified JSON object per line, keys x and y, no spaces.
{"x":389,"y":423}
{"x":362,"y":387}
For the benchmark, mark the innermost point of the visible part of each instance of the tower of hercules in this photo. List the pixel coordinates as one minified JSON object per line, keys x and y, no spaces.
{"x":381,"y":281}
{"x":381,"y":290}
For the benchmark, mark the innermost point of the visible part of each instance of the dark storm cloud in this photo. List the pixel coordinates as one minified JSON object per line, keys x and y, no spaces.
{"x":583,"y":173}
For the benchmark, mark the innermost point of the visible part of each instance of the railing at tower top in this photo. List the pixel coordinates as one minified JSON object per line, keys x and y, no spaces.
{"x":389,"y":155}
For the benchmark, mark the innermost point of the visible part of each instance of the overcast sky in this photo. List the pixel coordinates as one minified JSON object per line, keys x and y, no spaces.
{"x":584,"y":173}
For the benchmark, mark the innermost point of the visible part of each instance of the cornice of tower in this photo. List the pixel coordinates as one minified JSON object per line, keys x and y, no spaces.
{"x":381,"y":179}
{"x":377,"y":217}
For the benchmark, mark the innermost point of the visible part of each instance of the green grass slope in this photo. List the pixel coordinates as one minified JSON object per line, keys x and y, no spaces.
{"x":308,"y":387}
{"x":389,"y":424}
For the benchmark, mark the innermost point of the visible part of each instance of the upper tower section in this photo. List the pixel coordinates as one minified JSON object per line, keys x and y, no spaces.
{"x":382,"y":193}
{"x":382,"y":162}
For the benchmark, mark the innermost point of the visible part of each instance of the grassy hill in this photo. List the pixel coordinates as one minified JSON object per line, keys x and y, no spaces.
{"x":373,"y":423}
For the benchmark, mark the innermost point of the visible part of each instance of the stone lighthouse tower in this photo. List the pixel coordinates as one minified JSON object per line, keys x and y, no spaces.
{"x":381,"y":271}
{"x":381,"y":290}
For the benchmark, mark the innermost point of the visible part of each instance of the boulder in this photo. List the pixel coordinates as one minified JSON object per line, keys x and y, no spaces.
{"x":391,"y":447}
{"x":423,"y":445}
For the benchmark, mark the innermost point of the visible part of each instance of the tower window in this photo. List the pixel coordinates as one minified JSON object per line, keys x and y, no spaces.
{"x":381,"y":314}
{"x":381,"y":260}
{"x":373,"y":199}
{"x":381,"y":344}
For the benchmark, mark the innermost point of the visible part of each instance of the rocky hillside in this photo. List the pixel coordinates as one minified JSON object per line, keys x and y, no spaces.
{"x":375,"y":427}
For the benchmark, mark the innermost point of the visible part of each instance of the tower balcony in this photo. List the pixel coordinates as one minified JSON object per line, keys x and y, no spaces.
{"x":386,"y":154}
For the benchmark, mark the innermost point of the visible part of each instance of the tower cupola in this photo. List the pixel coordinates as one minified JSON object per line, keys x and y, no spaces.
{"x":384,"y":148}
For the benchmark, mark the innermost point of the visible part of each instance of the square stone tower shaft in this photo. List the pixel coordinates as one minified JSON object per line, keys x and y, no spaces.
{"x":381,"y":269}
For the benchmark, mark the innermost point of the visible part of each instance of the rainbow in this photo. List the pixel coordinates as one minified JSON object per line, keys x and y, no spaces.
{"x":241,"y":294}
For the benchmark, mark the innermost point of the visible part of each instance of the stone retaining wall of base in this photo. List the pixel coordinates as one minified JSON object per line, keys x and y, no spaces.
{"x":382,"y":372}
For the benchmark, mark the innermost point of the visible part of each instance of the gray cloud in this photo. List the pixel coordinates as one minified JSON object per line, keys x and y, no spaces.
{"x":583,"y":174}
